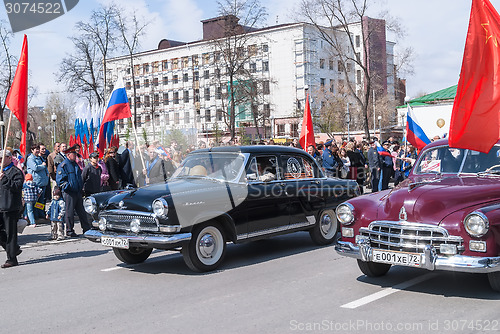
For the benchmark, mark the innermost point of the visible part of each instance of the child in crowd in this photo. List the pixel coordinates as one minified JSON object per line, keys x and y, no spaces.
{"x":55,"y":213}
{"x":30,"y":195}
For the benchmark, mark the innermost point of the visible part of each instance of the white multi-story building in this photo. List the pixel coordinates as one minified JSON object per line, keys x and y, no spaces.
{"x":176,"y":86}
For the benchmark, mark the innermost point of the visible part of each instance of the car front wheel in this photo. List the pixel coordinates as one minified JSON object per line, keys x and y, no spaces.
{"x":133,"y":255}
{"x":323,"y":232}
{"x":372,"y":269}
{"x":494,"y":279}
{"x":206,"y":250}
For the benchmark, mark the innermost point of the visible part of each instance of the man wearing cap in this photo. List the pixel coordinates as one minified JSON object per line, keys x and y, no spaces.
{"x":69,"y":180}
{"x":330,"y":162}
{"x":387,"y":166}
{"x":92,"y":176}
{"x":374,"y":164}
{"x":11,"y":185}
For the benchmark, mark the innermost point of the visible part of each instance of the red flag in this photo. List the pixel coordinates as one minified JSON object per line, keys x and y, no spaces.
{"x":475,"y":122}
{"x":307,"y":133}
{"x":17,"y":99}
{"x":91,"y":145}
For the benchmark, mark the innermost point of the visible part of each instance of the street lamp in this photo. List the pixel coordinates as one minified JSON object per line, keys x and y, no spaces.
{"x":54,"y":119}
{"x":39,"y":129}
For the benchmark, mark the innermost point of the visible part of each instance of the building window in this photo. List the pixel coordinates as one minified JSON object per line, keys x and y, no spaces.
{"x":155,"y":66}
{"x":128,"y":70}
{"x":175,"y":64}
{"x":146,"y":83}
{"x":358,"y":76}
{"x":195,"y":60}
{"x":252,"y":50}
{"x":208,"y":115}
{"x":165,"y":99}
{"x":145,"y":68}
{"x":137,"y":84}
{"x":206,"y":74}
{"x":206,"y":59}
{"x":253,"y":67}
{"x":322,"y":82}
{"x":186,"y":117}
{"x":186,"y":96}
{"x":157,"y":100}
{"x":147,"y":101}
{"x":358,"y":57}
{"x":217,"y":73}
{"x":281,"y":129}
{"x":218,"y":93}
{"x":265,"y":48}
{"x":267,"y":110}
{"x":216,"y":56}
{"x":358,"y":41}
{"x":155,"y":82}
{"x":349,"y":67}
{"x":165,"y":80}
{"x":322,"y":63}
{"x":184,"y":62}
{"x":265,"y":66}
{"x":196,"y":76}
{"x":138,"y":102}
{"x":294,"y":129}
{"x":185,"y":77}
{"x":330,"y":64}
{"x":196,"y":95}
{"x":175,"y":79}
{"x":207,"y":93}
{"x":176,"y":98}
{"x":339,"y":66}
{"x":167,"y":118}
{"x":219,"y":115}
{"x":165,"y":65}
{"x":176,"y":118}
{"x":128,"y":85}
{"x":332,"y":85}
{"x":265,"y":87}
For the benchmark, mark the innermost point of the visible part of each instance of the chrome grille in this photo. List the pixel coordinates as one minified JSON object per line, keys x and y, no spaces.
{"x":408,"y":237}
{"x":119,"y":220}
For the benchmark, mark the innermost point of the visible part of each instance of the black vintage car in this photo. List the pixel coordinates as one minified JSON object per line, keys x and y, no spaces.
{"x":217,"y":195}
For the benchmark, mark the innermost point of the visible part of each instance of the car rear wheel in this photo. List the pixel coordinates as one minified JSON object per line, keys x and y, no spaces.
{"x":494,"y":279}
{"x":133,"y":255}
{"x":206,"y":250}
{"x":372,"y":269}
{"x":325,"y":229}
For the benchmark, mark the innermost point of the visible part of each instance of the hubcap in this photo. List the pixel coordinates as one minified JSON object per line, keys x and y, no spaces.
{"x":207,"y":245}
{"x":326,"y":224}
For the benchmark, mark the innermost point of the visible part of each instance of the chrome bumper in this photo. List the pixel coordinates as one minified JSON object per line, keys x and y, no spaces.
{"x":155,"y":241}
{"x":430,"y":259}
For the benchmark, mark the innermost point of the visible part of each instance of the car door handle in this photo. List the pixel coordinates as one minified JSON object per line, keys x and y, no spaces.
{"x":315,"y":181}
{"x":282,"y":184}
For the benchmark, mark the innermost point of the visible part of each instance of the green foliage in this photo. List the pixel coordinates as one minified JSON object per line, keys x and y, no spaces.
{"x":145,"y":136}
{"x":176,"y":135}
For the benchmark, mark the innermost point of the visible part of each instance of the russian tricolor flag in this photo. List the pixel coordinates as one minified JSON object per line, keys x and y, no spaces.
{"x":414,"y":132}
{"x":381,"y":150}
{"x":118,"y":108}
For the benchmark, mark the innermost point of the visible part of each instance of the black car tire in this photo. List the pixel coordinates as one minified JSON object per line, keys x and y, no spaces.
{"x":373,"y":269}
{"x":133,"y":255}
{"x":494,"y":279}
{"x":325,"y":229}
{"x":206,"y":249}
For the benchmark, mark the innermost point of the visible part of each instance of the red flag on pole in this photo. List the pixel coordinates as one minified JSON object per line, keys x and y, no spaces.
{"x":475,"y":119}
{"x":307,"y":133}
{"x":17,"y":99}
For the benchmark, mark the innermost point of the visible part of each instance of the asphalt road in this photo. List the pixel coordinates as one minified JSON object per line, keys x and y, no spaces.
{"x":281,"y":285}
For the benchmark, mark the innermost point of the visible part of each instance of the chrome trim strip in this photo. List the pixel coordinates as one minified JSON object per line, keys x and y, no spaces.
{"x":95,"y":236}
{"x":430,"y":259}
{"x":273,"y":230}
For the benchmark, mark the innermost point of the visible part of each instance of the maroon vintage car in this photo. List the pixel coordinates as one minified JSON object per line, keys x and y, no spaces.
{"x":445,"y":216}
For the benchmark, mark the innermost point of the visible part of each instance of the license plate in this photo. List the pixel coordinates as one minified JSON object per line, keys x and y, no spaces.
{"x":397,"y":258}
{"x":115,"y":242}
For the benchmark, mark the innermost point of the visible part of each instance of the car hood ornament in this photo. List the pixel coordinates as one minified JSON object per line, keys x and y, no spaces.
{"x":402,"y":214}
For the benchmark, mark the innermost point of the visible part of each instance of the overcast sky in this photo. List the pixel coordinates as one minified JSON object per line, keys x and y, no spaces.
{"x":436,"y":30}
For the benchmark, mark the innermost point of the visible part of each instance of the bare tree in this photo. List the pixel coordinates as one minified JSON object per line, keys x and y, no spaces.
{"x":231,"y":38}
{"x":335,"y":21}
{"x":84,"y":70}
{"x":7,"y":68}
{"x":131,"y":30}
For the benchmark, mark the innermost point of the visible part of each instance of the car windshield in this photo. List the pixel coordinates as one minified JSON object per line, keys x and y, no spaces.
{"x":445,"y":159}
{"x":220,"y":166}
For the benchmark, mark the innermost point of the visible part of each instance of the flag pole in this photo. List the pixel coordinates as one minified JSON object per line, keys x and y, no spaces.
{"x":137,"y":142}
{"x":5,"y":144}
{"x":407,"y":99}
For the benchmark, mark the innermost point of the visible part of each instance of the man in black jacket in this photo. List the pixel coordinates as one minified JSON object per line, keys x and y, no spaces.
{"x":92,"y":176}
{"x":11,"y":185}
{"x":127,"y":163}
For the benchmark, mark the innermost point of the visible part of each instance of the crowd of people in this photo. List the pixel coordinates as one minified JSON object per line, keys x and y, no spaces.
{"x":51,"y":185}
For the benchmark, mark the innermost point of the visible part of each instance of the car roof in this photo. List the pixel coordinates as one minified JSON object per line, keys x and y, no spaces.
{"x":253,"y":149}
{"x":444,"y":141}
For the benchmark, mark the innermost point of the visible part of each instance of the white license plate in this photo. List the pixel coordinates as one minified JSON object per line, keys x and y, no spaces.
{"x":115,"y":242}
{"x":398,"y":258}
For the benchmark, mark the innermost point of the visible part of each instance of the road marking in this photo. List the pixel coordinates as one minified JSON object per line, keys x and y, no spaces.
{"x":388,"y":291}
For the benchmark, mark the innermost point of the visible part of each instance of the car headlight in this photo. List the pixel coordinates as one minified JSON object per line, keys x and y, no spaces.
{"x":345,"y":213}
{"x":90,"y":205}
{"x":160,"y":207}
{"x":476,"y":224}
